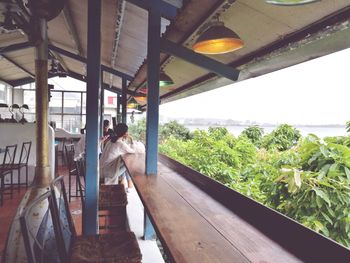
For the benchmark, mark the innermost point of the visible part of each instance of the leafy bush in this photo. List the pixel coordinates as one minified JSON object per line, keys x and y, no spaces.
{"x":282,"y":138}
{"x":138,"y":130}
{"x":254,"y":134}
{"x":174,"y":129}
{"x":309,"y":182}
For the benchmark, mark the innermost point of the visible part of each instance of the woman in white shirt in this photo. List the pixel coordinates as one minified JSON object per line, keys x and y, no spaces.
{"x":112,"y":168}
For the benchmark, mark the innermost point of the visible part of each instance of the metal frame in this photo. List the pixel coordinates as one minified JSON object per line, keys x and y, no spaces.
{"x":168,"y":10}
{"x":84,"y":60}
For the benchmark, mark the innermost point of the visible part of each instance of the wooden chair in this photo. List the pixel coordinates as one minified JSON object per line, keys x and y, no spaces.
{"x":120,"y":246}
{"x":72,"y":171}
{"x":112,"y":202}
{"x":23,"y":163}
{"x":6,"y":169}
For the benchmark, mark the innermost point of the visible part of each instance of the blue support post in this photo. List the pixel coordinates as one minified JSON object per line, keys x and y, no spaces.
{"x":118,"y":108}
{"x":102,"y":104}
{"x":90,"y":215}
{"x":153,"y":53}
{"x":124,"y":100}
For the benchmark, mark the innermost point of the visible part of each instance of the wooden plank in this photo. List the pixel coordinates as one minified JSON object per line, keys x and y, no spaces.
{"x":289,"y":234}
{"x":185,"y":233}
{"x":251,"y":242}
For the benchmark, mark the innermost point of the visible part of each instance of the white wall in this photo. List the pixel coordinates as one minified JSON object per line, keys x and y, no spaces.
{"x":16,"y":133}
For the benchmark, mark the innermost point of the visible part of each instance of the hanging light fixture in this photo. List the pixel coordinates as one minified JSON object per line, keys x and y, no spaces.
{"x":141,"y":99}
{"x":132,"y":104}
{"x":290,"y":2}
{"x":217,"y":39}
{"x":165,"y":80}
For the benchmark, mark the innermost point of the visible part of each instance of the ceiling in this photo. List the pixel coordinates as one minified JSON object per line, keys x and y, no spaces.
{"x":275,"y":37}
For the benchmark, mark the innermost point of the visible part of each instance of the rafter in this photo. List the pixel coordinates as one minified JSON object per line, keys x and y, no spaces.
{"x":67,"y":15}
{"x":199,"y":60}
{"x":84,"y":60}
{"x":15,"y":47}
{"x":18,"y":66}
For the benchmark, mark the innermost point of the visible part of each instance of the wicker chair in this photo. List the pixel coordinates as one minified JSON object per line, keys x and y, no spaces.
{"x":120,"y":246}
{"x":112,"y":202}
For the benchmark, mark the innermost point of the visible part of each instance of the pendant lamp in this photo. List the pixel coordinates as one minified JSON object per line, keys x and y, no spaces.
{"x":165,"y":80}
{"x":217,"y":39}
{"x":141,"y":99}
{"x":290,"y":2}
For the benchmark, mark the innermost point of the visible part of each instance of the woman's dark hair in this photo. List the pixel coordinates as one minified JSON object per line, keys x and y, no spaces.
{"x":120,"y":130}
{"x":105,"y":123}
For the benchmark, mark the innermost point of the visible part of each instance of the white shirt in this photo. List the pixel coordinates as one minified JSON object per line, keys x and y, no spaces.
{"x":112,"y":151}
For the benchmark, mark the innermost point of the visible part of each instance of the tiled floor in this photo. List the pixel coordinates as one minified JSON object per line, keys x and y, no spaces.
{"x":9,"y":208}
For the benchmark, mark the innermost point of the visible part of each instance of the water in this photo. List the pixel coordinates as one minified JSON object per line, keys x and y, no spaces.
{"x":320,"y":131}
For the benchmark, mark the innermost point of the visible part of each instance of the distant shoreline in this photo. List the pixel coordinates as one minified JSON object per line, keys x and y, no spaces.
{"x":266,"y":125}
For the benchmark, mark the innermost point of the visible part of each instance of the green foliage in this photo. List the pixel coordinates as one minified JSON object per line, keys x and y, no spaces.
{"x":254,"y":134}
{"x":282,"y":138}
{"x":138,"y":130}
{"x":175,"y":130}
{"x":309,"y":182}
{"x":171,"y":129}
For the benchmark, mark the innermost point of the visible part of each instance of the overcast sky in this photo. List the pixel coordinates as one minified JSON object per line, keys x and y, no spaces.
{"x":314,"y":92}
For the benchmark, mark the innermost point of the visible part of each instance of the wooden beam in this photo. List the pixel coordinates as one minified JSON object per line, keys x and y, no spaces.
{"x":199,"y":60}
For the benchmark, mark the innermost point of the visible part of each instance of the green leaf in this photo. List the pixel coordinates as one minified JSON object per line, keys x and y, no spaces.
{"x":327,"y":218}
{"x":347,"y":172}
{"x":322,"y":194}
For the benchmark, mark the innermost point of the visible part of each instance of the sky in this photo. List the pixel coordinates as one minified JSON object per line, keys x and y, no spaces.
{"x":314,"y":92}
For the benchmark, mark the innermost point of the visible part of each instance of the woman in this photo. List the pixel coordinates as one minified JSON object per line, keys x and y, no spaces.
{"x":112,"y":169}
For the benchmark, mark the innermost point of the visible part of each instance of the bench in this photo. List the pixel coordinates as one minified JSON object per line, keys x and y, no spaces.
{"x":194,"y":225}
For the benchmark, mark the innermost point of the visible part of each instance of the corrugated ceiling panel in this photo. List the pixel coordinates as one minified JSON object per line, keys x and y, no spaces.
{"x":108,"y":20}
{"x":58,"y":33}
{"x":258,"y":24}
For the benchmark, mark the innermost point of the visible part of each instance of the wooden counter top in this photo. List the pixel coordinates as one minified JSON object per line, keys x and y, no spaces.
{"x":193,"y":226}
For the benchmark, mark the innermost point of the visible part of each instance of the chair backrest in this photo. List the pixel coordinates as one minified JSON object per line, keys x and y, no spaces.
{"x":9,"y":156}
{"x":65,"y":226}
{"x":80,"y":166}
{"x":39,"y":234}
{"x":69,"y":148}
{"x":25,"y":151}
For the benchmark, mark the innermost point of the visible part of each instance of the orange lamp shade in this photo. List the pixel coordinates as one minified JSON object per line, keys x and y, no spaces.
{"x":141,"y":99}
{"x":218,"y":39}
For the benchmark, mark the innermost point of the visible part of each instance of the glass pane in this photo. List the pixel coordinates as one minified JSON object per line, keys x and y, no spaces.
{"x":72,"y":102}
{"x":83,"y":121}
{"x":55,"y":105}
{"x":84,"y":103}
{"x":29,"y":99}
{"x":3,"y":93}
{"x":57,"y":119}
{"x":72,"y":123}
